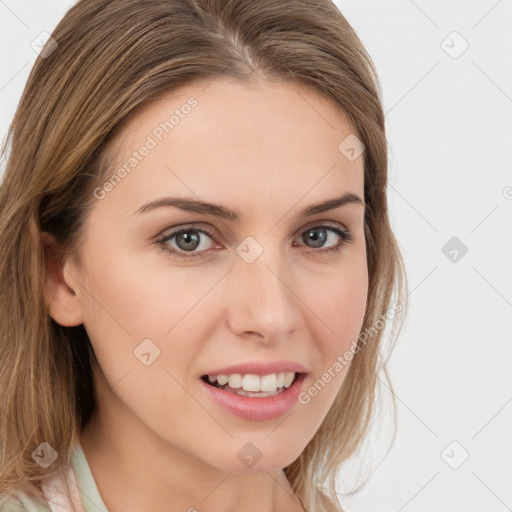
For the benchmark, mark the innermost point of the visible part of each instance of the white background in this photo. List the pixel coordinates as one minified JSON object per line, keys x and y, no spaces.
{"x":449,"y":126}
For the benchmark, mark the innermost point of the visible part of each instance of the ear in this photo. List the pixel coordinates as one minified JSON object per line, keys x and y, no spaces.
{"x":63,"y":302}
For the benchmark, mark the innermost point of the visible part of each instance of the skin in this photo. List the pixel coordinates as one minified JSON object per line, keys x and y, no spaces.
{"x":267,"y":150}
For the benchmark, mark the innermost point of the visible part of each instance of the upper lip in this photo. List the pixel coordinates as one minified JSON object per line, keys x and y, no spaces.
{"x":259,"y":368}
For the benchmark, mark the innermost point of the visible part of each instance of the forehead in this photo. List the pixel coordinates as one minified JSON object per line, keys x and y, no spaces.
{"x":219,"y":139}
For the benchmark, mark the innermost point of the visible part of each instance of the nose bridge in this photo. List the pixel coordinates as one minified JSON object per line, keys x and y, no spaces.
{"x":263,"y":296}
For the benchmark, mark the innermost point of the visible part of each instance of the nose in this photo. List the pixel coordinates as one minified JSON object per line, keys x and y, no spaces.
{"x":262,"y":299}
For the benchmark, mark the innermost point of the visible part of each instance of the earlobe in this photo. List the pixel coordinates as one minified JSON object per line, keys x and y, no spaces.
{"x":63,"y":302}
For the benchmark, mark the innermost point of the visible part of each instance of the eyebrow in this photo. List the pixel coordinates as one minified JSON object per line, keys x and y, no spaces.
{"x":217,"y":210}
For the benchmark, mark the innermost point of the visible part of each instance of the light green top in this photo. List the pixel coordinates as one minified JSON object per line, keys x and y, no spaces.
{"x":84,"y":494}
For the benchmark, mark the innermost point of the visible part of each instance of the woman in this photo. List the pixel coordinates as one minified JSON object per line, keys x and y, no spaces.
{"x":198,"y":263}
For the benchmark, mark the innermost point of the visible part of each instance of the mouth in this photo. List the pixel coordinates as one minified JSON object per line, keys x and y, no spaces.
{"x":264,"y":398}
{"x":252,"y":386}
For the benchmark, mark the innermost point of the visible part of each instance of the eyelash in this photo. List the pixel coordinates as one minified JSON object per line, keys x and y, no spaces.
{"x":344,"y":234}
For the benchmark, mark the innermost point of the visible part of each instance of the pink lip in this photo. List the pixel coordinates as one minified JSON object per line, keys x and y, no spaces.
{"x":256,"y":408}
{"x":259,"y":368}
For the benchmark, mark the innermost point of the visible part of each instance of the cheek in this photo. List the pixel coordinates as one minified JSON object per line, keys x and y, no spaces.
{"x":135,"y":314}
{"x":340,"y":303}
{"x":129,"y":294}
{"x":335,"y":308}
{"x":128,"y":301}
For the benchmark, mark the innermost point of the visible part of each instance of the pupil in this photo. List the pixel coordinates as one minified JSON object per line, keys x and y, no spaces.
{"x":318,"y":239}
{"x":189,"y":239}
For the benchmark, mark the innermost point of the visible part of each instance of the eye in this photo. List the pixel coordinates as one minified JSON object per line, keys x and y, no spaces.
{"x":318,"y":235}
{"x":188,"y":239}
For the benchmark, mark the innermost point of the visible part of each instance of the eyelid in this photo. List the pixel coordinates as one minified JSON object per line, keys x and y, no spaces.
{"x":182,"y":227}
{"x":200,"y":226}
{"x":320,"y":222}
{"x":340,"y":230}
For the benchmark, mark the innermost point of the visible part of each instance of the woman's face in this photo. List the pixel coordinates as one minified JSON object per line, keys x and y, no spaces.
{"x":266,"y":287}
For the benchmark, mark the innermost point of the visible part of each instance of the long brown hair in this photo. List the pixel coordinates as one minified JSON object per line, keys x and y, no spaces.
{"x":111,"y":56}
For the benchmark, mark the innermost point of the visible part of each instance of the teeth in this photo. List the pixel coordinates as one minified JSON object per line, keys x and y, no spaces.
{"x":222,"y":379}
{"x":288,"y":379}
{"x":255,"y":383}
{"x":268,"y":382}
{"x":235,"y":381}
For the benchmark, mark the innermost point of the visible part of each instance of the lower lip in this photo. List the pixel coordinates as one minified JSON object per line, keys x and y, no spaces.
{"x":257,"y":408}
